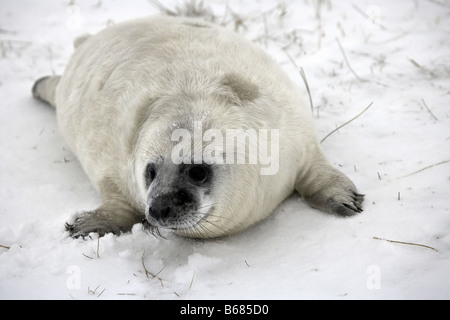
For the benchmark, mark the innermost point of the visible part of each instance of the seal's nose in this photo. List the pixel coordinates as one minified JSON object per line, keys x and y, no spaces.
{"x":159,"y":209}
{"x":170,"y":208}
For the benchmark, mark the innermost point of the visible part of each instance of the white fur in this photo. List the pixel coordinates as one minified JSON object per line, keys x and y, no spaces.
{"x":125,"y":87}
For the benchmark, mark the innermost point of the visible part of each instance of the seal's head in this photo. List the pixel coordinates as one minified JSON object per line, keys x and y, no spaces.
{"x":184,"y":189}
{"x":196,"y":177}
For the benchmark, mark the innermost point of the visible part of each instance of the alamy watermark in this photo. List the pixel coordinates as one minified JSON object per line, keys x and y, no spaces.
{"x":234,"y":146}
{"x":73,"y":281}
{"x":374,"y":279}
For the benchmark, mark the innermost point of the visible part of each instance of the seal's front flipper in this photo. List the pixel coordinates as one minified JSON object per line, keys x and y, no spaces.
{"x":344,"y":202}
{"x":109,"y":218}
{"x":329,"y":190}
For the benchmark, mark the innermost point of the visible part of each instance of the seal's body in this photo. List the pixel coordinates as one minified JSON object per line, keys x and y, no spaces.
{"x":127,"y":90}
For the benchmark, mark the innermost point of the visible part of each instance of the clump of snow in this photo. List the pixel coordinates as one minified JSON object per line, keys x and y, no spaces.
{"x":392,"y":53}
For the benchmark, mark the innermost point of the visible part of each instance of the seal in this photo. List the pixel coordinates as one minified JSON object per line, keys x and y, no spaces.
{"x":184,"y":125}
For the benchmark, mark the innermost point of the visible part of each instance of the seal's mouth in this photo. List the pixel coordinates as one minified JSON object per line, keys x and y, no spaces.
{"x":188,"y":222}
{"x":188,"y":227}
{"x":194,"y":224}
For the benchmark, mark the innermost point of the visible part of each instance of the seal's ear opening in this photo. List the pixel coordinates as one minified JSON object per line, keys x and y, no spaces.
{"x":242,"y":90}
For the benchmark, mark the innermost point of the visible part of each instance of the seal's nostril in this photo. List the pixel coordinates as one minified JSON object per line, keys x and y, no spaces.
{"x":160,"y":210}
{"x":164,"y":212}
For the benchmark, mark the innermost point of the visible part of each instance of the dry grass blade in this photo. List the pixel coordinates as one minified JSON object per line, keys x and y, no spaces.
{"x":365,"y":15}
{"x":429,"y":110}
{"x":90,"y":292}
{"x":147,"y":273}
{"x":101,"y":293}
{"x":145,"y":268}
{"x":5,"y":247}
{"x":98,"y":245}
{"x":190,"y":8}
{"x":423,"y":169}
{"x":346,"y":122}
{"x":422,"y":68}
{"x":192,"y":281}
{"x":303,"y":75}
{"x":162,"y":8}
{"x":348,"y":63}
{"x":318,"y":15}
{"x":407,"y":243}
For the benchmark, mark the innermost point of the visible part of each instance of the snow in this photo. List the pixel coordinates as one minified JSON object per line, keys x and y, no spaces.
{"x":397,"y":56}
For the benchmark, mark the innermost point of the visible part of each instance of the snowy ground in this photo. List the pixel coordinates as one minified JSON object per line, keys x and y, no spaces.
{"x":395,"y":54}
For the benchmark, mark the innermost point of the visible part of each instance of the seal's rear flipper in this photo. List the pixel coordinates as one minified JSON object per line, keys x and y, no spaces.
{"x":44,"y":89}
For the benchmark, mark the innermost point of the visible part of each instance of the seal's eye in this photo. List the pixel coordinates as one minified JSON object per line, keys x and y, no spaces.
{"x":198,"y":173}
{"x":150,"y":174}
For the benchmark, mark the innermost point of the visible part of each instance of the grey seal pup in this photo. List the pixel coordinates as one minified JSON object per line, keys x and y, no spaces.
{"x":184,"y":125}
